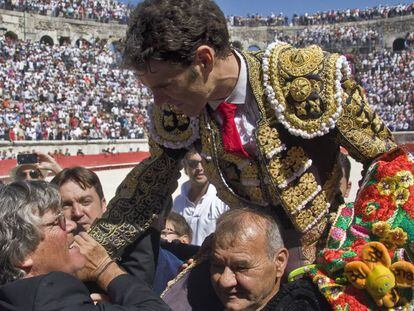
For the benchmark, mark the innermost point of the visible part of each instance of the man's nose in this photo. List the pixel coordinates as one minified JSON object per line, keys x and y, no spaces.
{"x":70,"y":226}
{"x":228,"y":278}
{"x":77,"y":210}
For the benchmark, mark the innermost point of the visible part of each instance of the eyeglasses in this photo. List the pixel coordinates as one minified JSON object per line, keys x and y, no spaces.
{"x":60,"y":221}
{"x":193,"y":163}
{"x":167,"y":231}
{"x":33,"y":174}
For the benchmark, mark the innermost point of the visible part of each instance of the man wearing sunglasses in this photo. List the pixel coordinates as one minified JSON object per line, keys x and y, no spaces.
{"x":26,"y":172}
{"x":41,"y":265}
{"x":198,"y":202}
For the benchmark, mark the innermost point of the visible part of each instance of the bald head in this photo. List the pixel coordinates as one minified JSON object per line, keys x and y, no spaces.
{"x":243,"y":224}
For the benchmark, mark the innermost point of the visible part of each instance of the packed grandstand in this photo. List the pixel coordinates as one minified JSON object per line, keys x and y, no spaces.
{"x":111,"y":10}
{"x":72,"y":92}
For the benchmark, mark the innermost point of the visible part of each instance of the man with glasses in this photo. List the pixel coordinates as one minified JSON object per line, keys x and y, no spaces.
{"x":198,"y":202}
{"x":42,"y":268}
{"x":84,"y":202}
{"x":177,"y":229}
{"x":26,"y":172}
{"x":36,"y":171}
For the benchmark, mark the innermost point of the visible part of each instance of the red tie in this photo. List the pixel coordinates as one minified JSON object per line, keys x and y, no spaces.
{"x":229,"y":134}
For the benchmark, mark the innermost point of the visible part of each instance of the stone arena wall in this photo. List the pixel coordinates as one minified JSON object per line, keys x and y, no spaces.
{"x":96,"y":146}
{"x":34,"y":26}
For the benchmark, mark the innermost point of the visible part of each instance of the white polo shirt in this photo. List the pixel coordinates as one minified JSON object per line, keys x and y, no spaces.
{"x":201,"y":216}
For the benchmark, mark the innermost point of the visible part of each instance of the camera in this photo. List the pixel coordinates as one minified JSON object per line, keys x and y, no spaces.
{"x":29,"y":158}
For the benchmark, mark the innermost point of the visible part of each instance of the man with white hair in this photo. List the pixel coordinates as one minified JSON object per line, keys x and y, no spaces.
{"x":39,"y":259}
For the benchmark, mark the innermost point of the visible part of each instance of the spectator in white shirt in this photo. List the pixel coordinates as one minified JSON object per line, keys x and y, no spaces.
{"x":198,"y":201}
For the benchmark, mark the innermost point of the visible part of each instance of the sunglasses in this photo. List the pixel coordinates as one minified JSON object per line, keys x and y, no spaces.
{"x":193,"y":163}
{"x":60,"y":221}
{"x":33,"y":174}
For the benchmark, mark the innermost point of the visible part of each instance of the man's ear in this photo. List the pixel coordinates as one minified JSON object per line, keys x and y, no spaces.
{"x":103,"y":205}
{"x":185,"y":239}
{"x":26,"y":264}
{"x":281,"y":259}
{"x":205,"y":57}
{"x":348,"y":189}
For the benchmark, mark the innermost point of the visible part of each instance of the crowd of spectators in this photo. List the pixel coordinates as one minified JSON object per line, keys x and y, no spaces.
{"x":98,"y":10}
{"x":71,"y":93}
{"x":333,"y":38}
{"x":388,"y":79}
{"x":112,"y":10}
{"x":63,"y":92}
{"x":353,"y":15}
{"x":322,"y":18}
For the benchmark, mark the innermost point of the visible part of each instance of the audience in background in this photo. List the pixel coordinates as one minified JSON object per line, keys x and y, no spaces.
{"x":177,"y":229}
{"x":68,"y":93}
{"x":322,"y":18}
{"x":100,"y":11}
{"x":198,"y":201}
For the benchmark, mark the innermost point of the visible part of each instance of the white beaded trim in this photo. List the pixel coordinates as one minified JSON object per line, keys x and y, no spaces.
{"x":318,"y":218}
{"x":275,"y":151}
{"x":194,"y":124}
{"x":296,"y":174}
{"x":342,"y":71}
{"x":310,"y":198}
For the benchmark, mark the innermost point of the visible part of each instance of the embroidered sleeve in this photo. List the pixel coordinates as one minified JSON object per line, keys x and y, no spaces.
{"x":361,"y":131}
{"x":139,"y":199}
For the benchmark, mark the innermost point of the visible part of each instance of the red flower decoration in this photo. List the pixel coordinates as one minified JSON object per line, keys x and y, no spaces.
{"x":409,"y":205}
{"x":354,"y":298}
{"x":389,"y":169}
{"x":373,"y":206}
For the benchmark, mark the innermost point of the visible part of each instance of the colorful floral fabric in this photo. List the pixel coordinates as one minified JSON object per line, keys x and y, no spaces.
{"x":384,"y":212}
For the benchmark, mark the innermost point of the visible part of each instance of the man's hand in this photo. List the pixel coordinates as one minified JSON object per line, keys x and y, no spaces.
{"x":47,"y":162}
{"x":99,"y":267}
{"x":96,"y":257}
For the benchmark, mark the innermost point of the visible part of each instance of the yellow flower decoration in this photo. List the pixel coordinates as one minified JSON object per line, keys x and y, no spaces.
{"x":401,"y":196}
{"x":396,"y":237}
{"x":370,"y":207}
{"x":386,"y":186}
{"x":381,"y":228}
{"x":405,"y":178}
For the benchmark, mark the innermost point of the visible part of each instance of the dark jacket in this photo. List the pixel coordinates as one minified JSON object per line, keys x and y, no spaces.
{"x":57,"y":291}
{"x":301,"y":295}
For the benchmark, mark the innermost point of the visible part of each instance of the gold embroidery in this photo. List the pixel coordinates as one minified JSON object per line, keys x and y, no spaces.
{"x":303,"y":87}
{"x":296,"y":197}
{"x":284,"y":171}
{"x":170,"y":129}
{"x":362,"y":131}
{"x":307,"y":218}
{"x":300,"y":89}
{"x":143,"y":194}
{"x":281,"y":171}
{"x":314,"y":234}
{"x":300,"y":62}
